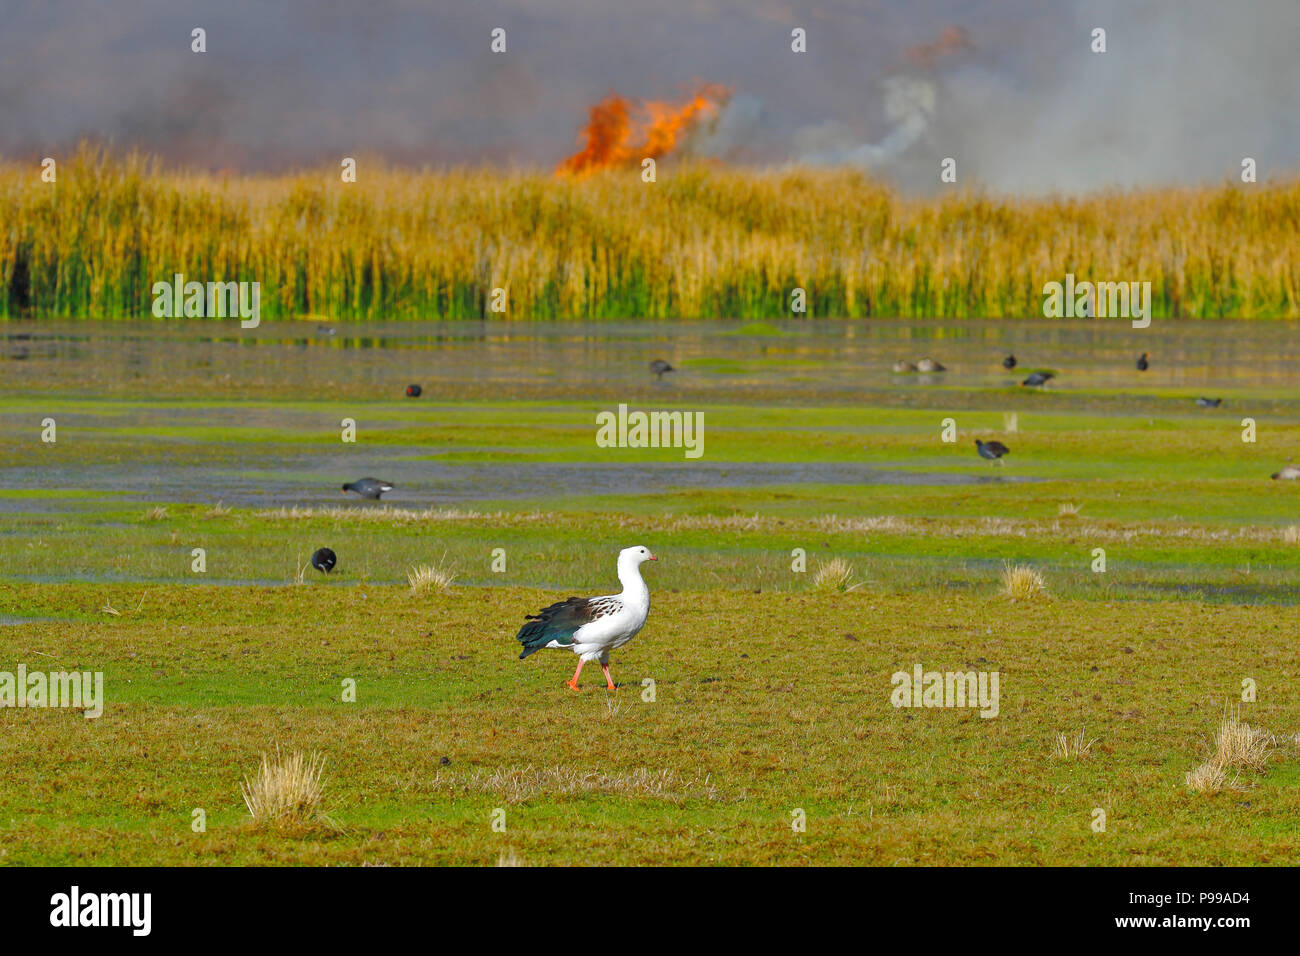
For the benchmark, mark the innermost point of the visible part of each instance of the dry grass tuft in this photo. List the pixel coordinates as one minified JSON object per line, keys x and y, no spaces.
{"x":1073,"y":748}
{"x":1067,"y":509}
{"x":882,"y":524}
{"x":1241,"y":746}
{"x":1022,"y":583}
{"x":218,"y":510}
{"x":517,"y":786}
{"x":834,"y":575}
{"x":1292,"y":534}
{"x":1238,"y":747}
{"x":397,"y":517}
{"x":286,"y":793}
{"x":157,"y":513}
{"x":887,"y":524}
{"x":510,"y":858}
{"x":425,"y":577}
{"x":613,"y":707}
{"x":1209,"y":777}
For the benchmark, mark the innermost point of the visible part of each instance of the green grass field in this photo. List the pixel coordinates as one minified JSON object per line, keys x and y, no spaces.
{"x":769,"y":696}
{"x":764,"y":704}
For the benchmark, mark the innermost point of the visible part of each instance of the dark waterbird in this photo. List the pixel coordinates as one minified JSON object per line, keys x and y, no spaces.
{"x":323,"y":560}
{"x":369,"y":487}
{"x":20,"y":352}
{"x":659,"y":366}
{"x":1038,"y":378}
{"x":1143,"y":362}
{"x":413,"y":391}
{"x":1209,"y":402}
{"x":992,"y":450}
{"x":1009,"y":362}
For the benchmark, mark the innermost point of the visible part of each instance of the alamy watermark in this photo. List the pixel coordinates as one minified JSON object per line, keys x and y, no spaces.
{"x":82,"y":690}
{"x":1116,"y":300}
{"x":924,"y":688}
{"x":213,"y":300}
{"x":133,"y":911}
{"x":640,"y":429}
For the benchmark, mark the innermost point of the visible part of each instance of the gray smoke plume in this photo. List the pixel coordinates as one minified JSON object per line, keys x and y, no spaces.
{"x":1186,"y":89}
{"x":909,"y":107}
{"x":1184,"y":92}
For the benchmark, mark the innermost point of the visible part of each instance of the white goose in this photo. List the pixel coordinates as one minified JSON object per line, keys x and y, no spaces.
{"x":592,"y":627}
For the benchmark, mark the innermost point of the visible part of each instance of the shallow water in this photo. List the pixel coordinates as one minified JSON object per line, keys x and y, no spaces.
{"x":313,"y":481}
{"x":804,"y":363}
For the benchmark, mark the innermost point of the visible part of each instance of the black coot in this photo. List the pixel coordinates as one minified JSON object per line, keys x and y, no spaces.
{"x":368,"y":487}
{"x":323,"y":560}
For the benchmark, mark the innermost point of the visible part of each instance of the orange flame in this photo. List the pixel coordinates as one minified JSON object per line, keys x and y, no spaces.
{"x":620,"y":132}
{"x":950,"y":40}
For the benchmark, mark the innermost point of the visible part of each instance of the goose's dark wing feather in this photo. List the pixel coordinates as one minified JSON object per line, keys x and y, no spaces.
{"x":561,"y":620}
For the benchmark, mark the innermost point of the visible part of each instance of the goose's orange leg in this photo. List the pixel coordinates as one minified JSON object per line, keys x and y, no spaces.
{"x":572,"y":683}
{"x":609,"y":681}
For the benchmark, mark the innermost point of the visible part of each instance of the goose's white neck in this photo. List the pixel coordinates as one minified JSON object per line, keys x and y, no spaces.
{"x":634,"y":588}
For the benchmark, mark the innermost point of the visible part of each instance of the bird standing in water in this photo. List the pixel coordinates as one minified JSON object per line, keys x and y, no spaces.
{"x":1009,"y":362}
{"x":370,"y":488}
{"x":659,"y":367}
{"x":992,"y":450}
{"x":1144,"y":363}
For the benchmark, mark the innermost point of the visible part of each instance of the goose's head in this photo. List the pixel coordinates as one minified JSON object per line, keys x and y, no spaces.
{"x":635,"y":556}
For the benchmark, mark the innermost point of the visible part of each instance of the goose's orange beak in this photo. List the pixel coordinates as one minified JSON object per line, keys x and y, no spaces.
{"x":653,"y":558}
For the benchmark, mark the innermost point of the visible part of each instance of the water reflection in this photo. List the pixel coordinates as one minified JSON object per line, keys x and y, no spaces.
{"x":809,"y":361}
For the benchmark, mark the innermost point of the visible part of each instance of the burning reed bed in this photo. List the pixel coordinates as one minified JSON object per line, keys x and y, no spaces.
{"x":703,"y":241}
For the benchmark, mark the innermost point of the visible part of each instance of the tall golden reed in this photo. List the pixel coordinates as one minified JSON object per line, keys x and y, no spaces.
{"x":704,"y":241}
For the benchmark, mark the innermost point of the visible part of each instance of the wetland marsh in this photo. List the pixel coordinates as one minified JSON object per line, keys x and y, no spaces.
{"x":771,"y":694}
